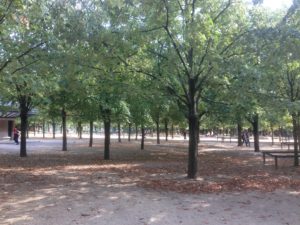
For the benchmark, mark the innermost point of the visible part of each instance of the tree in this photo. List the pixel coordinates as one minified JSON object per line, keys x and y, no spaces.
{"x":23,"y":71}
{"x":198,"y":34}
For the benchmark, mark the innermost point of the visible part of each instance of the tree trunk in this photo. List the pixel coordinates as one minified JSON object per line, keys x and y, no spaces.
{"x":91,"y":133}
{"x":106,"y":138}
{"x":157,"y":132}
{"x":166,"y":129}
{"x":280,"y":134}
{"x":239,"y":130}
{"x":79,"y":129}
{"x":298,"y":130}
{"x":44,"y":128}
{"x":27,"y":130}
{"x":64,"y":129}
{"x":129,"y":131}
{"x":119,"y":132}
{"x":34,"y":128}
{"x":136,"y":132}
{"x":53,"y":129}
{"x":24,"y":120}
{"x":198,"y":131}
{"x":272,"y":134}
{"x":193,"y":147}
{"x":184,"y":134}
{"x":295,"y":136}
{"x":172,"y":131}
{"x":143,"y":137}
{"x":255,"y":132}
{"x":193,"y":124}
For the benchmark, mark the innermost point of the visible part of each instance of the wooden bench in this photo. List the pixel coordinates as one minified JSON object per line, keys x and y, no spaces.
{"x":223,"y":138}
{"x":286,"y":143}
{"x":5,"y":138}
{"x":278,"y":154}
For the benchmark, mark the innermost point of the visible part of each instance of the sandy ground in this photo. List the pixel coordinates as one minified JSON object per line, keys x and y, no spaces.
{"x":114,"y":200}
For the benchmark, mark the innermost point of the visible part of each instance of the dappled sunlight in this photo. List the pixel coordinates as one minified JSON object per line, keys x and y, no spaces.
{"x":295,"y":193}
{"x":76,"y":178}
{"x":18,"y":219}
{"x":155,"y":219}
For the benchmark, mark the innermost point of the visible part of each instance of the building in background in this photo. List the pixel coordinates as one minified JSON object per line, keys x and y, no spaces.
{"x":7,"y":123}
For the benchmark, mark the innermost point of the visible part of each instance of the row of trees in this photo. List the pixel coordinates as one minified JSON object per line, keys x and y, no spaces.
{"x":212,"y":60}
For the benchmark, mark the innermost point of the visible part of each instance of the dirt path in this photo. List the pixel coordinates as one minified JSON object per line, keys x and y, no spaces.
{"x":78,"y":187}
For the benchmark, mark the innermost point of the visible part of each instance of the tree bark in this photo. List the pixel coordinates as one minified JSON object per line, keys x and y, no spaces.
{"x":143,"y":137}
{"x":129,"y":131}
{"x":166,"y":129}
{"x":24,"y":121}
{"x":239,"y":131}
{"x":295,"y":136}
{"x":272,"y":134}
{"x":64,"y":129}
{"x":157,"y":132}
{"x":106,"y":138}
{"x":119,"y":132}
{"x":198,"y":131}
{"x":34,"y":129}
{"x":193,"y":123}
{"x":43,"y":129}
{"x":79,"y":129}
{"x":172,"y":131}
{"x":193,"y":147}
{"x":136,"y":132}
{"x":53,"y":129}
{"x":91,"y":133}
{"x":255,"y":132}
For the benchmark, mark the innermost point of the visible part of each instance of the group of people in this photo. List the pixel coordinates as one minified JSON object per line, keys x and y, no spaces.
{"x":245,"y":138}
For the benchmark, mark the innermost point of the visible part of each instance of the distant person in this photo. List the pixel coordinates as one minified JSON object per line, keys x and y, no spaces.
{"x":16,"y":136}
{"x":245,"y":138}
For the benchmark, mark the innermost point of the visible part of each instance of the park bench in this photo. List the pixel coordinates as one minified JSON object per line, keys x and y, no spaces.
{"x":277,"y":154}
{"x":223,"y":138}
{"x":5,"y":138}
{"x":288,"y":143}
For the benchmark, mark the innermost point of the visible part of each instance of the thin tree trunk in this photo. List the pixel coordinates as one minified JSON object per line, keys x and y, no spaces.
{"x":79,"y":129}
{"x":172,"y":131}
{"x":298,"y":131}
{"x":91,"y":133}
{"x":64,"y":129}
{"x":272,"y":134}
{"x":198,"y":131}
{"x":255,"y":132}
{"x":295,"y":136}
{"x":34,"y":129}
{"x":239,"y":130}
{"x":129,"y":131}
{"x":53,"y":129}
{"x":280,"y":134}
{"x":136,"y":132}
{"x":106,"y":138}
{"x":157,"y":132}
{"x":166,"y":129}
{"x":119,"y":132}
{"x":44,"y":128}
{"x":24,"y":121}
{"x":143,"y":137}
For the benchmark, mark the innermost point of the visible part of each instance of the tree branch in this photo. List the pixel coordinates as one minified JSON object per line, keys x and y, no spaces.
{"x":23,"y":67}
{"x":29,"y":50}
{"x":222,"y":11}
{"x":5,"y":13}
{"x":166,"y":27}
